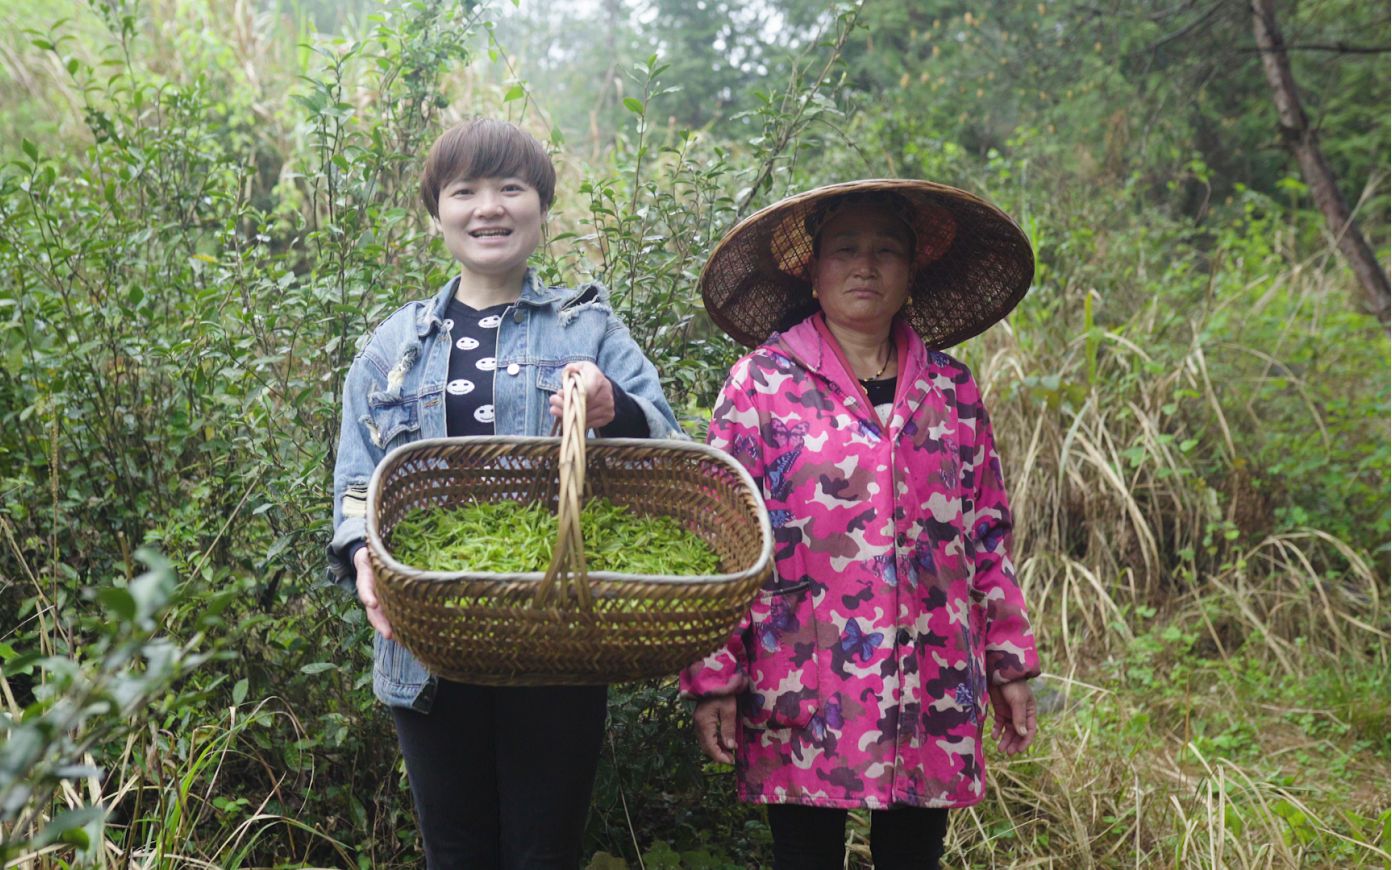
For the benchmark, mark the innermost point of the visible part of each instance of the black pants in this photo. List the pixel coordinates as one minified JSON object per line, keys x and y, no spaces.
{"x":502,"y":777}
{"x":814,"y":838}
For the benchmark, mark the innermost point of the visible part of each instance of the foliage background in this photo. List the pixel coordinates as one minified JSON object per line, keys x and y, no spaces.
{"x":204,"y":204}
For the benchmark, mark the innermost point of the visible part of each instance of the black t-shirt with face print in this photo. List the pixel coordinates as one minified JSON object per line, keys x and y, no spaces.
{"x":469,"y":387}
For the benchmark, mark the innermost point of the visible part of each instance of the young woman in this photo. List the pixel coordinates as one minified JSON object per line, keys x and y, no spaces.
{"x":501,"y":777}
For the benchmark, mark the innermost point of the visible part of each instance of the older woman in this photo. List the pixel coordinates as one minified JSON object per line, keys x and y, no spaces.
{"x":862,"y":674}
{"x":501,"y":777}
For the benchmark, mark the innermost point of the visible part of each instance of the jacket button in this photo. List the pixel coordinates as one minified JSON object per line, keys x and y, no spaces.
{"x":517,"y":316}
{"x":513,"y":368}
{"x":903,"y":637}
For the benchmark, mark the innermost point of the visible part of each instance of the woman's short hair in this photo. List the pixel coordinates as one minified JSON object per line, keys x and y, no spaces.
{"x":486,"y":148}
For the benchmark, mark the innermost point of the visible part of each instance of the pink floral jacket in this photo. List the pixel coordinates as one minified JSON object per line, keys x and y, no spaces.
{"x":861,"y":668}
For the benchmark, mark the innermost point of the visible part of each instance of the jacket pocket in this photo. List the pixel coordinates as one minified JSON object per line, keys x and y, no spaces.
{"x":548,"y":378}
{"x":548,"y":374}
{"x":781,"y":650}
{"x":392,"y":420}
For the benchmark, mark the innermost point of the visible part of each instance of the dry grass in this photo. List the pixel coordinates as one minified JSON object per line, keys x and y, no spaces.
{"x":1126,"y":542}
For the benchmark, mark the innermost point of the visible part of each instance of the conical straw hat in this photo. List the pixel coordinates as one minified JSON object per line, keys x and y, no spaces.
{"x":972,"y":263}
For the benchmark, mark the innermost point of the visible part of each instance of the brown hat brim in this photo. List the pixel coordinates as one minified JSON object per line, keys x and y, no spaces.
{"x":972,"y":264}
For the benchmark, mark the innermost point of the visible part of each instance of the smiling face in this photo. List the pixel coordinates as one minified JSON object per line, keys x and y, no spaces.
{"x":491,"y":225}
{"x":861,"y":270}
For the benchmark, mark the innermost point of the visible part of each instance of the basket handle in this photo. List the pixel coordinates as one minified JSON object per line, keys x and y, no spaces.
{"x":567,"y":569}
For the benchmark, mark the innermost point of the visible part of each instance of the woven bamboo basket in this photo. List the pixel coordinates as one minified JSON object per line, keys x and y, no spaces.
{"x":568,"y":626}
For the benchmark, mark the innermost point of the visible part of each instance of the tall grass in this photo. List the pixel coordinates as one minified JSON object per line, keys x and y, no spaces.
{"x":1185,"y":626}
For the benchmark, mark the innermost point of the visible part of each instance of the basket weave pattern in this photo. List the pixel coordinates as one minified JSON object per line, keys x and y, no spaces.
{"x":568,"y":626}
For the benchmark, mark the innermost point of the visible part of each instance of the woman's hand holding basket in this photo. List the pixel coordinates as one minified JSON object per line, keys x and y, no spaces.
{"x":599,"y":394}
{"x":367,"y":593}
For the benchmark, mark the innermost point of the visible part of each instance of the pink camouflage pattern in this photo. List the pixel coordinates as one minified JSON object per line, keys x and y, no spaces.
{"x":861,"y":667}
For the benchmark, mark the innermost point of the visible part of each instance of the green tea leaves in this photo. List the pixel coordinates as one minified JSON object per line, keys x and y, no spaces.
{"x":512,"y":538}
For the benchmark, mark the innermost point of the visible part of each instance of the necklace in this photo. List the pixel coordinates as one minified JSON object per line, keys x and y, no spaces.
{"x":889,"y":355}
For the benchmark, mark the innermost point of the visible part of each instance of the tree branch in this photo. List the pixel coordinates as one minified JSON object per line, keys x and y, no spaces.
{"x":1339,"y":47}
{"x":1303,"y":142}
{"x":1188,"y":28}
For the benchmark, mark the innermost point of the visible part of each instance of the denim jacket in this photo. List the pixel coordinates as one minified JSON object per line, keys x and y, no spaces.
{"x":395,"y":394}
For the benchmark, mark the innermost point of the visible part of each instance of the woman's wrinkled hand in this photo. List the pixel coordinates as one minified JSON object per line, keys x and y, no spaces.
{"x":367,"y":593}
{"x":1014,"y":707}
{"x":599,"y":395}
{"x":714,"y":719}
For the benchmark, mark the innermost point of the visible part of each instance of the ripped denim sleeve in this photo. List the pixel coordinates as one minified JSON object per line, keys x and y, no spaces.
{"x":356,"y":458}
{"x":625,"y":364}
{"x":396,"y":377}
